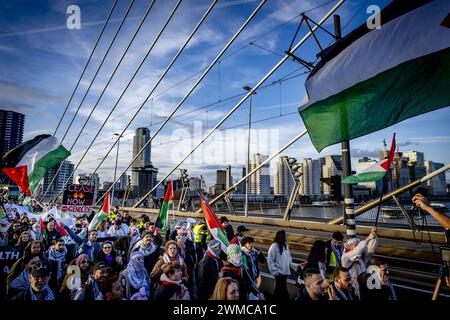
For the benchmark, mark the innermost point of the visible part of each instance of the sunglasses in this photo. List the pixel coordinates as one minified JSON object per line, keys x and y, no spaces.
{"x":108,"y":247}
{"x":84,"y":261}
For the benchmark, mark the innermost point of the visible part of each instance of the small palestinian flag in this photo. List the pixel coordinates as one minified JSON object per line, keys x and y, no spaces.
{"x":102,"y":214}
{"x":163,"y":213}
{"x":27,"y":163}
{"x":376,"y":171}
{"x":213,"y":224}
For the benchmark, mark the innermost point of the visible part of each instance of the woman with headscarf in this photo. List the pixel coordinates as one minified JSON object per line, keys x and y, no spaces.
{"x":82,"y":272}
{"x":135,"y":278}
{"x":171,"y":255}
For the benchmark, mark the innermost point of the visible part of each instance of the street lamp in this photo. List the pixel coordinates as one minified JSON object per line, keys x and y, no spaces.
{"x":184,"y":187}
{"x":247,"y":88}
{"x":296,"y":172}
{"x":115,"y":169}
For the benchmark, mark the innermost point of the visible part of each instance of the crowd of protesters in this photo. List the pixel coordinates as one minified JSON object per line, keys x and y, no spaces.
{"x":129,"y":259}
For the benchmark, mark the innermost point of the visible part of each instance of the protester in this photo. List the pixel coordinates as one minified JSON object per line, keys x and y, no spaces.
{"x":38,"y":289}
{"x":108,"y":255}
{"x":226,"y":289}
{"x":279,"y":262}
{"x":253,"y":257}
{"x":84,"y":265}
{"x":334,"y":253}
{"x":57,"y":258}
{"x":208,"y":270}
{"x":157,"y":236}
{"x":115,"y":291}
{"x":314,"y":289}
{"x":227,"y":227}
{"x":118,"y":229}
{"x":4,"y":239}
{"x":24,"y":240}
{"x":200,"y":236}
{"x":50,"y":234}
{"x":186,"y":249}
{"x":357,"y":254}
{"x":95,"y":286}
{"x":18,"y":277}
{"x":342,"y":288}
{"x":88,"y":245}
{"x":124,"y":244}
{"x":240,"y":233}
{"x":102,"y":229}
{"x":171,"y":255}
{"x":172,"y":287}
{"x":135,"y":277}
{"x":148,"y":249}
{"x":234,"y":268}
{"x":420,"y":201}
{"x":317,"y":257}
{"x":375,"y":284}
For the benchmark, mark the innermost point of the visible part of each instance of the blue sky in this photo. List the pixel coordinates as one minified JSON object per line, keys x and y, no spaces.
{"x":41,"y":60}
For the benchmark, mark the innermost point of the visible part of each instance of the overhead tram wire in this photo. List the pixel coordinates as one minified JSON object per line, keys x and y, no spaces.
{"x":224,"y":58}
{"x":99,"y":67}
{"x":126,"y":88}
{"x":107,"y":84}
{"x":213,"y":105}
{"x":249,"y":93}
{"x":85,"y":66}
{"x":238,"y":32}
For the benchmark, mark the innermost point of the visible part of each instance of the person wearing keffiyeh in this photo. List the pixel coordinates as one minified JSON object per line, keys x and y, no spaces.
{"x":135,"y":277}
{"x":38,"y":290}
{"x":375,"y":283}
{"x":334,"y":253}
{"x":57,"y":257}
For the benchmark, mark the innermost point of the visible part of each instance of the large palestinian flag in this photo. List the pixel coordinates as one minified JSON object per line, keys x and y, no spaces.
{"x":27,"y":163}
{"x":213,"y":224}
{"x":371,"y":79}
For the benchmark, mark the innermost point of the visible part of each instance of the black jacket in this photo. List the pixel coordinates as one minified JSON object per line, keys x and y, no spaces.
{"x":230,"y":232}
{"x":246,"y":285}
{"x":207,"y":275}
{"x":374,"y":294}
{"x":350,"y":296}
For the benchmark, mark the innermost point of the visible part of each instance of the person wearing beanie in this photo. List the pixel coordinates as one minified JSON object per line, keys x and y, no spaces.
{"x":334,"y":253}
{"x":356,"y":256}
{"x":148,"y":249}
{"x":208,"y":270}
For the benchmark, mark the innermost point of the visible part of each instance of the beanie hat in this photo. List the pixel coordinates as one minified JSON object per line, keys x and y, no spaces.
{"x":146,"y":232}
{"x":234,"y":255}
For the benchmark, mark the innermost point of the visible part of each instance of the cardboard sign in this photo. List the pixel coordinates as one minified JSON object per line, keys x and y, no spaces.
{"x":78,"y":199}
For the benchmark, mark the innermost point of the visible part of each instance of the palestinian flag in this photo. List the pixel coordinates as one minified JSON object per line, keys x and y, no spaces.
{"x":376,"y":171}
{"x":214,"y":225}
{"x":102,"y":214}
{"x":374,"y":78}
{"x":163,"y":213}
{"x":27,"y":163}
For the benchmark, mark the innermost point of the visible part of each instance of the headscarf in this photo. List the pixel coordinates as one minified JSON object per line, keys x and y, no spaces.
{"x":80,"y":258}
{"x":137,"y":274}
{"x":234,"y":255}
{"x":350,"y":242}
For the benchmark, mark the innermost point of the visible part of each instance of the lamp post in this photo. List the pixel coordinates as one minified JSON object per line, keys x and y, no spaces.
{"x":247,"y":88}
{"x":296,"y":172}
{"x":115,"y":169}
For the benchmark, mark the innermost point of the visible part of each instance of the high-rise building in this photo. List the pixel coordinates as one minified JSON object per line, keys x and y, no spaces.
{"x":11,"y":134}
{"x":65,"y":174}
{"x":221,"y":180}
{"x":437,"y":185}
{"x":283,"y":182}
{"x":143,"y":174}
{"x":312,"y":172}
{"x":122,"y":184}
{"x":229,"y":177}
{"x":260,"y":180}
{"x":332,"y":167}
